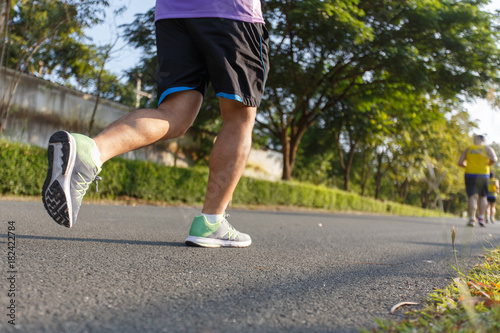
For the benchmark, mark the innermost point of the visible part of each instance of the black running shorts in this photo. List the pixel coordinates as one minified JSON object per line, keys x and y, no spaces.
{"x":233,"y":55}
{"x":474,"y":184}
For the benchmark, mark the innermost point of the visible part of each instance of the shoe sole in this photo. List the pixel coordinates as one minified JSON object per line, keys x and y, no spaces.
{"x":212,"y":242}
{"x":61,"y":156}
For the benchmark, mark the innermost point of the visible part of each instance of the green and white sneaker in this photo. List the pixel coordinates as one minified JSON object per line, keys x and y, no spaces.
{"x":71,"y":170}
{"x":218,"y":234}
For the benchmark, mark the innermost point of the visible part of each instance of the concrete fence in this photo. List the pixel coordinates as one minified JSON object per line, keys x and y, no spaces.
{"x":40,"y":108}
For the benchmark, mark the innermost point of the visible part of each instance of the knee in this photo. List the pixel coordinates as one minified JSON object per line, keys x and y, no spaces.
{"x":178,"y":122}
{"x":237,"y":114}
{"x":242,"y":122}
{"x":178,"y":130}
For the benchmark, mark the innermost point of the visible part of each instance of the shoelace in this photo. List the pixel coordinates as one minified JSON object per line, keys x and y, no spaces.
{"x":232,"y":230}
{"x":84,"y":186}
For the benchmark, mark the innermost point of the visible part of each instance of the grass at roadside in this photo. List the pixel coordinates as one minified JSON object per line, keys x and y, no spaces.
{"x":470,"y":304}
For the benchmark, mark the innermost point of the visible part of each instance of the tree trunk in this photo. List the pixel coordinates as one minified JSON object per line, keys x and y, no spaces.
{"x":99,"y":85}
{"x":424,"y":198}
{"x":378,"y":175}
{"x":8,"y":96}
{"x":4,"y":17}
{"x":97,"y":100}
{"x":9,"y":92}
{"x":403,"y":190}
{"x":347,"y":176}
{"x":290,"y":145}
{"x":365,"y":172}
{"x":92,"y":118}
{"x":287,"y":168}
{"x":348,"y":165}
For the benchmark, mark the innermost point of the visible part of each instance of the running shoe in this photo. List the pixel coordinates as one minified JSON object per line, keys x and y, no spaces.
{"x":71,"y":170}
{"x":471,"y":223}
{"x":492,"y":220}
{"x":481,"y":222}
{"x":218,"y":234}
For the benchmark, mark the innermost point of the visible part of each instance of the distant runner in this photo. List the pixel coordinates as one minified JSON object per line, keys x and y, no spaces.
{"x":476,"y":160}
{"x":493,"y":190}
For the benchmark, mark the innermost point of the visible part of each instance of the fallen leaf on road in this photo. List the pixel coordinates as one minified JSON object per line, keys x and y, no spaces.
{"x":401,"y":304}
{"x":263,"y":269}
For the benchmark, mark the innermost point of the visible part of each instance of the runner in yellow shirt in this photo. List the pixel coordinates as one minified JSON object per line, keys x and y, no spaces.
{"x":493,"y":190}
{"x":476,"y":160}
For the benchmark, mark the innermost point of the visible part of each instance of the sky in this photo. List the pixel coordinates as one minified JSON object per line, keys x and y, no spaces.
{"x":488,"y":119}
{"x":126,"y":57}
{"x":123,"y":56}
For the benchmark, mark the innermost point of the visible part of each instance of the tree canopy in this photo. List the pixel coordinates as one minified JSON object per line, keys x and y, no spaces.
{"x":339,"y":59}
{"x":46,"y":38}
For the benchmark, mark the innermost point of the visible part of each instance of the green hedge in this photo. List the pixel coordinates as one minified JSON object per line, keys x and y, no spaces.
{"x":24,"y":169}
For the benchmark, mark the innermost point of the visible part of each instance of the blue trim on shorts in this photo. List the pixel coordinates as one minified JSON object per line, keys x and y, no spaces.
{"x":230,"y":96}
{"x":171,"y":91}
{"x":473,"y":175}
{"x":262,"y":61}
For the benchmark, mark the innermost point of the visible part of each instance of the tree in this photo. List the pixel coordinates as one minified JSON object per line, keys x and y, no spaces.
{"x":327,"y":52}
{"x":442,"y":176}
{"x":4,"y":19}
{"x":141,"y":34}
{"x":106,"y":53}
{"x":38,"y":38}
{"x":305,"y":35}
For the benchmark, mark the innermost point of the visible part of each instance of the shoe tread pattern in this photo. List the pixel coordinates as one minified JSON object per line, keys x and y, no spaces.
{"x":50,"y":155}
{"x":53,"y":197}
{"x":56,"y":205}
{"x":61,"y":137}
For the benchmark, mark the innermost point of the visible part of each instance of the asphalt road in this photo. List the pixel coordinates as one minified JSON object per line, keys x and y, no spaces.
{"x":126,"y":269}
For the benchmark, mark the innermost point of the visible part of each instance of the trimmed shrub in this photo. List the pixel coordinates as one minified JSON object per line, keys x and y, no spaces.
{"x":27,"y":168}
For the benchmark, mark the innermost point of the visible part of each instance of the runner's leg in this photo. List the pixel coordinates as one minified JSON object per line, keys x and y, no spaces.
{"x":146,"y":126}
{"x":229,"y":154}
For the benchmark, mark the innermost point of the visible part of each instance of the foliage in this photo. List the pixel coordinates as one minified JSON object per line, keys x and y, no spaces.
{"x":49,"y":34}
{"x":28,"y":159}
{"x":141,"y":34}
{"x":416,"y":164}
{"x":344,"y":58}
{"x":470,"y":304}
{"x":46,"y":39}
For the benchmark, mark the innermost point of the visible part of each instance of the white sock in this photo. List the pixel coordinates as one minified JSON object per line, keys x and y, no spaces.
{"x":96,"y":156}
{"x":212,"y":218}
{"x":481,"y":217}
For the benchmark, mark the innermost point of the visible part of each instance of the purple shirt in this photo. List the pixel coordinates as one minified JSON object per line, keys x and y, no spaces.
{"x":240,"y":10}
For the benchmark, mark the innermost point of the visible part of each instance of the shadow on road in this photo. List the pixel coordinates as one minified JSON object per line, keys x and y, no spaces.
{"x":115,"y":241}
